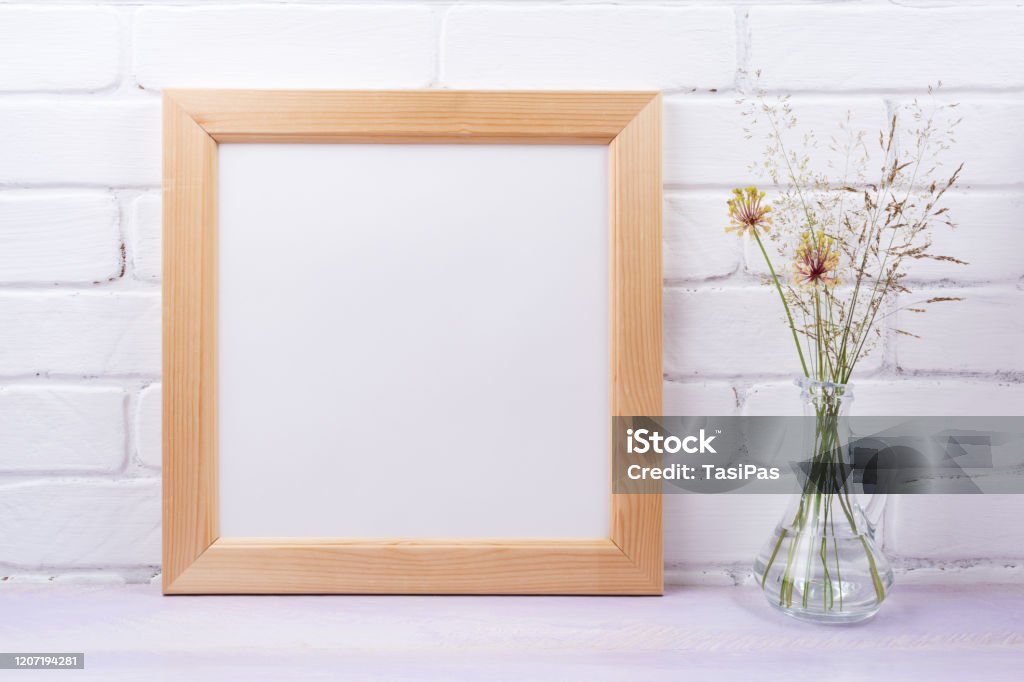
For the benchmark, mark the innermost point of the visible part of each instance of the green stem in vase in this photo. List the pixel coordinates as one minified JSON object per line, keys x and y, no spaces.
{"x":835,"y":548}
{"x":785,"y":305}
{"x":826,"y":479}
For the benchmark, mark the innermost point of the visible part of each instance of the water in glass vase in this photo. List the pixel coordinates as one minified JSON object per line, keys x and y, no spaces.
{"x":822,"y":563}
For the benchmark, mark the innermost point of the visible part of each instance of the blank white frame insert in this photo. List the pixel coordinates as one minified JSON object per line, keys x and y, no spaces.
{"x":413,"y":341}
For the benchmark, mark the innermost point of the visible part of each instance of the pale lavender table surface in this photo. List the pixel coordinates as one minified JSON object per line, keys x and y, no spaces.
{"x":729,"y":633}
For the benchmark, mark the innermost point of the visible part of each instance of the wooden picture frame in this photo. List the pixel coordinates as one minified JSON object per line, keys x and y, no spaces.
{"x":196,"y":560}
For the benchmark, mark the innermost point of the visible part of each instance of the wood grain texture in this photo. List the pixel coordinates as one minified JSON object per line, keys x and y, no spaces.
{"x":189,"y":343}
{"x":411,"y":116}
{"x":634,"y":176}
{"x":268,"y":566}
{"x":636,"y":342}
{"x":196,"y":560}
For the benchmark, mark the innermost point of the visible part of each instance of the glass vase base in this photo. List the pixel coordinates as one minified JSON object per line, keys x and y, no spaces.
{"x":836,"y":578}
{"x":826,"y":617}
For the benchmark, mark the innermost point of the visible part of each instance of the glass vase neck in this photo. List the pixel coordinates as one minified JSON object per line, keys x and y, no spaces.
{"x":818,"y":396}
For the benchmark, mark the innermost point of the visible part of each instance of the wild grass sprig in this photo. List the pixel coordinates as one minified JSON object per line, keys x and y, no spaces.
{"x":844,"y":237}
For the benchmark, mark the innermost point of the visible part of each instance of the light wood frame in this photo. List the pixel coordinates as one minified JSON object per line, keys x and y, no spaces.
{"x":195,"y":559}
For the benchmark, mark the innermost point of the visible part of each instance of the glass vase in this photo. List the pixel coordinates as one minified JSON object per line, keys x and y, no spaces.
{"x":822,"y":564}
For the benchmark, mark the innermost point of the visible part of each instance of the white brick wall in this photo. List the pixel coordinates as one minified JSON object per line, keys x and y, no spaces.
{"x":61,"y":428}
{"x":73,"y":141}
{"x":148,"y":426}
{"x":56,"y":236}
{"x":693,"y":250}
{"x":886,"y":48}
{"x":58,"y":49}
{"x":144,"y":226}
{"x":79,"y":333}
{"x":588,"y":47}
{"x":705,"y":144}
{"x":989,"y":160}
{"x":989,"y":227}
{"x":725,"y":332}
{"x":80,"y":523}
{"x":80,"y":229}
{"x":983,"y":333}
{"x":314,"y":47}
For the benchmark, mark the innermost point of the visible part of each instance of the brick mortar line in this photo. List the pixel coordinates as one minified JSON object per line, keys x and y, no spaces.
{"x":737,"y":281}
{"x":118,"y":475}
{"x":682,"y":189}
{"x":883,"y":373}
{"x":741,"y":574}
{"x":750,"y":281}
{"x":65,"y":476}
{"x":126,"y":284}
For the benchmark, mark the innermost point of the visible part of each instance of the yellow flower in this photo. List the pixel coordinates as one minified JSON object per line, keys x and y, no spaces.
{"x":817,"y":260}
{"x":746,"y":212}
